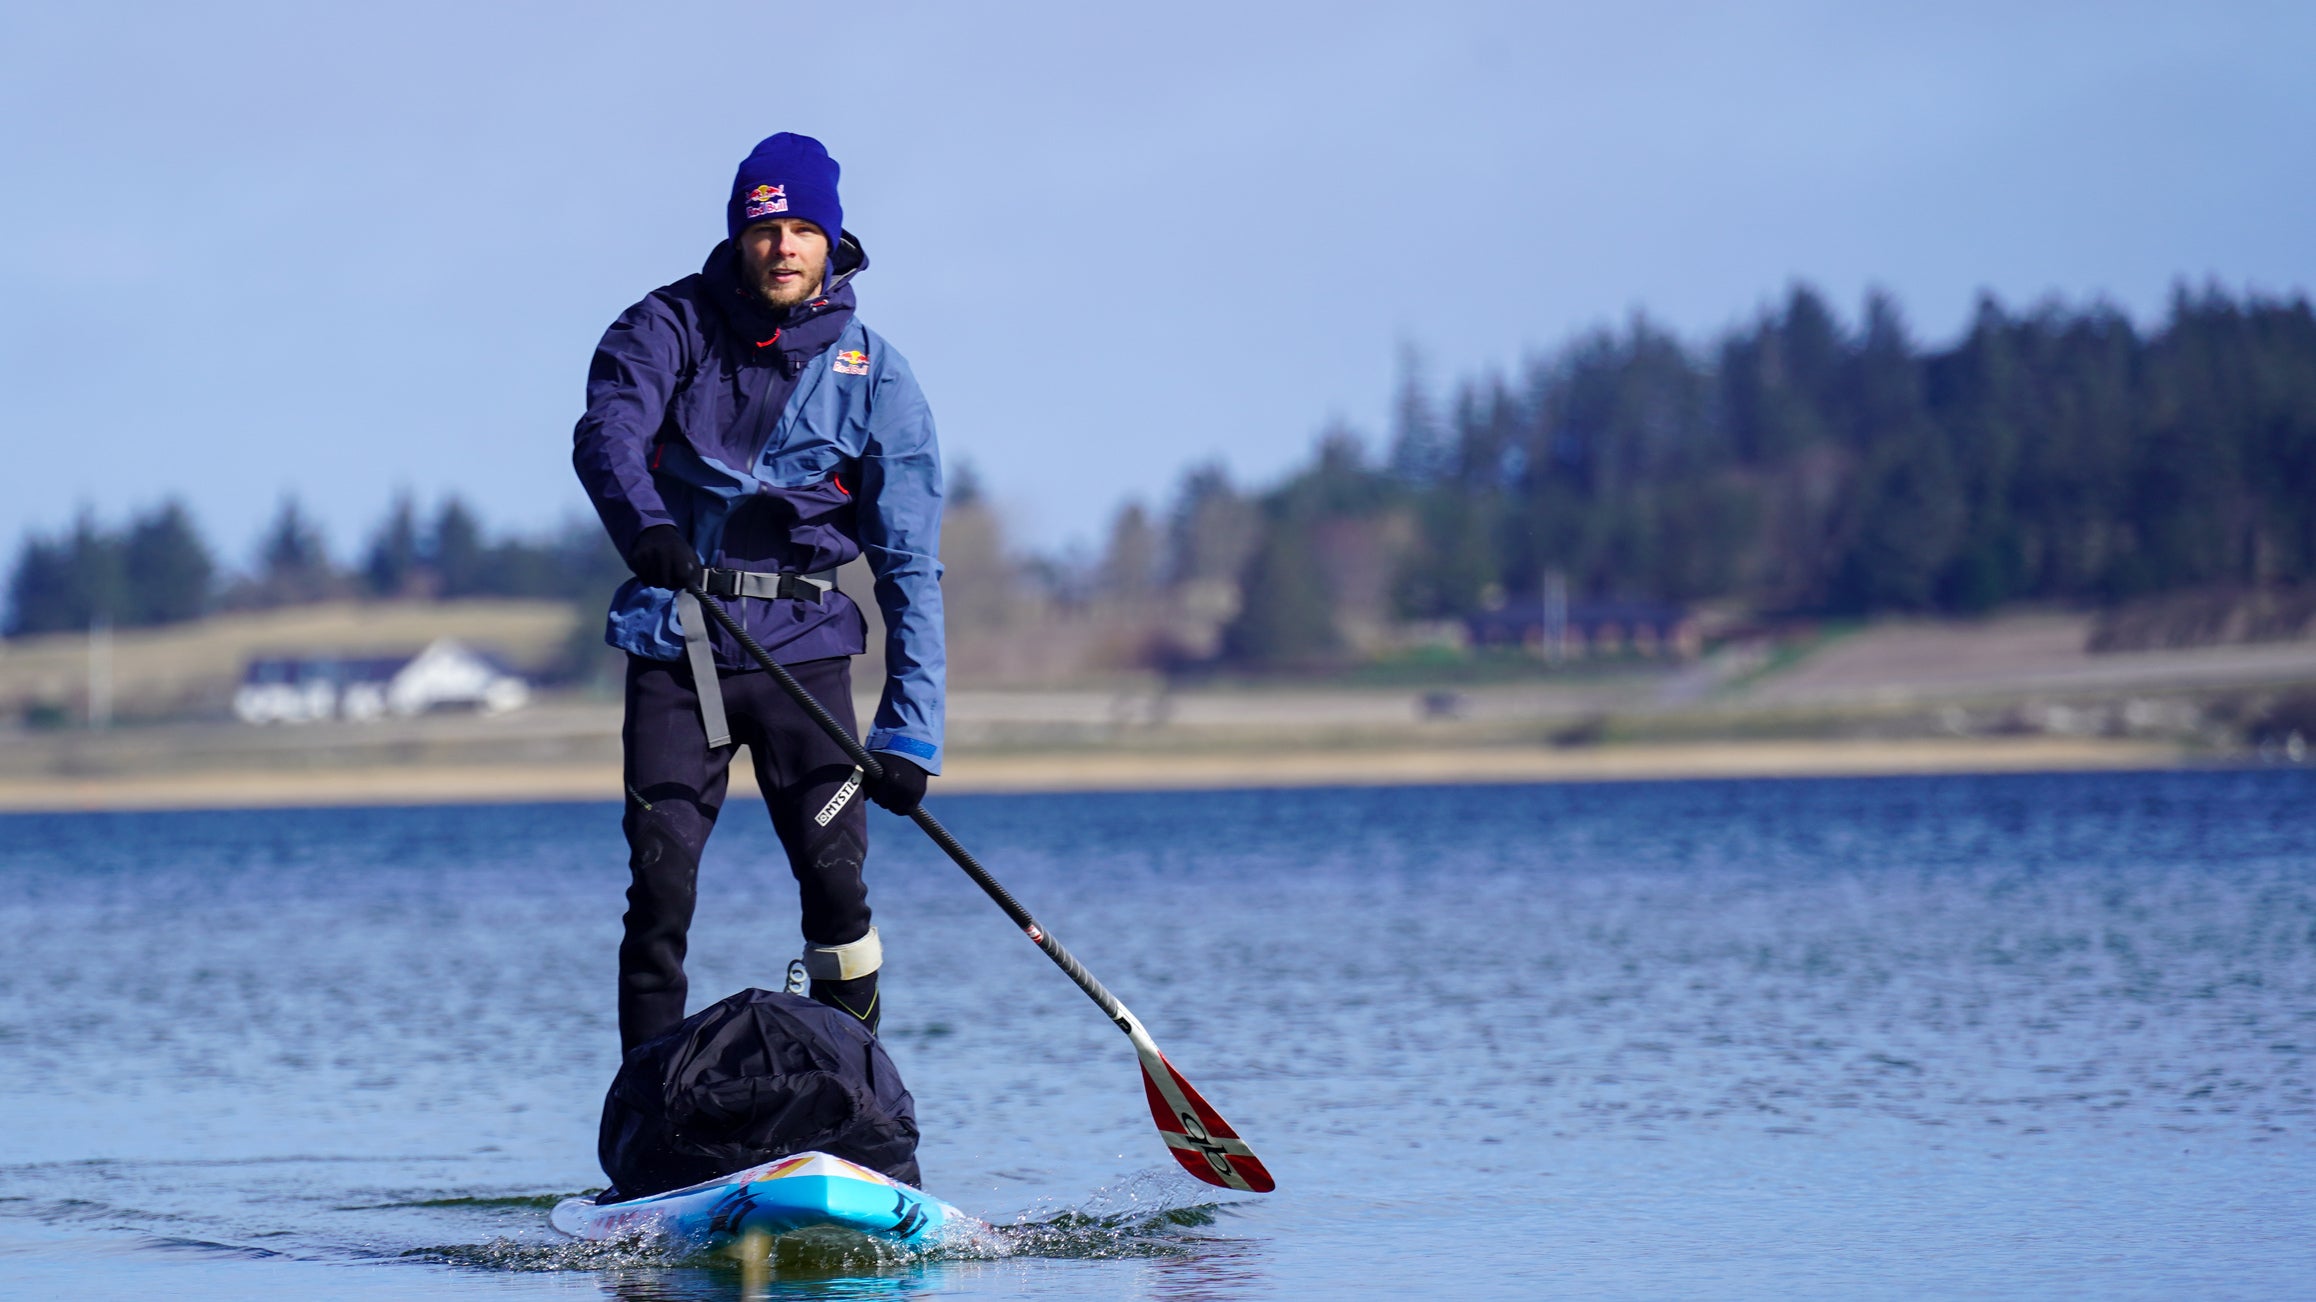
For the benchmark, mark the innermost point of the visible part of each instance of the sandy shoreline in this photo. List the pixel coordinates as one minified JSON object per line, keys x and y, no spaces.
{"x":412,"y":784}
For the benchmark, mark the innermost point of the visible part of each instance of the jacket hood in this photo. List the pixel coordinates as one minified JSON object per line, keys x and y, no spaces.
{"x":800,"y":332}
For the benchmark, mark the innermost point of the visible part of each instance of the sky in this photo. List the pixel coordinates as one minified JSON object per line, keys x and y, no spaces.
{"x":342,"y":252}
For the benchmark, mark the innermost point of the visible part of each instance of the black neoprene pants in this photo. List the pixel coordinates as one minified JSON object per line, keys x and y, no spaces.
{"x":675,"y":788}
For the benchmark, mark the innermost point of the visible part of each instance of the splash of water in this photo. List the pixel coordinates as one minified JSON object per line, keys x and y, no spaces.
{"x":1152,"y":1213}
{"x":1155,"y":1213}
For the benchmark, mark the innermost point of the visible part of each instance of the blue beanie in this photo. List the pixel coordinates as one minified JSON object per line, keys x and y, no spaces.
{"x":787,"y":175}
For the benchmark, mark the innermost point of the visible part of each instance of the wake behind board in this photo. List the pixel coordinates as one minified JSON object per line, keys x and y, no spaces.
{"x":802,"y":1191}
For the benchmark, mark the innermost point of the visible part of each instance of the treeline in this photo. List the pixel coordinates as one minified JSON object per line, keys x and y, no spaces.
{"x":1799,"y":463}
{"x":158,"y":569}
{"x":1804,"y":464}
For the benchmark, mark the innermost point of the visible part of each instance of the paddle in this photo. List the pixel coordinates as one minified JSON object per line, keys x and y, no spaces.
{"x":1197,"y":1135}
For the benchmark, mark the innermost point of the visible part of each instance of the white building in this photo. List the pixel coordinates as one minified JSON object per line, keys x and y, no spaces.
{"x":447,"y":675}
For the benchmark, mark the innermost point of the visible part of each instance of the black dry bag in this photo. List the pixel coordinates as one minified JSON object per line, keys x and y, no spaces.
{"x":753,"y":1078}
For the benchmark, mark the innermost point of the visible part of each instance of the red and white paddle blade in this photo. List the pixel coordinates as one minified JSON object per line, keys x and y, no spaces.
{"x":1197,"y":1135}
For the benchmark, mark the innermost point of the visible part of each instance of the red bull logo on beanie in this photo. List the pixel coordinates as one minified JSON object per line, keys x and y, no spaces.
{"x":786,"y":175}
{"x":765,"y":200}
{"x":852,"y":361}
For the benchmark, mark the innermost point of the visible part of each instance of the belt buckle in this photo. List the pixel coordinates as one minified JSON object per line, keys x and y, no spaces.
{"x":721,"y":583}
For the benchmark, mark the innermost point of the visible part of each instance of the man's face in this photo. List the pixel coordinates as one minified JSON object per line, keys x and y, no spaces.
{"x":785,"y":260}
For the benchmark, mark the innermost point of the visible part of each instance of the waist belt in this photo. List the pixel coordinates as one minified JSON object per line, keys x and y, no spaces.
{"x":764,"y":584}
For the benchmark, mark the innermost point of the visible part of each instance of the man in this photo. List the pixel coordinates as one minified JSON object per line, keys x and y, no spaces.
{"x":746,"y":434}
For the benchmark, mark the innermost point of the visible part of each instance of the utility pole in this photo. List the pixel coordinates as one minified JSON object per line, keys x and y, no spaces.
{"x":1555,"y":616}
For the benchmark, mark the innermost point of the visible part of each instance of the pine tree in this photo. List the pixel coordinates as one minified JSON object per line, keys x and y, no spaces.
{"x":293,"y":560}
{"x":43,"y":594}
{"x":168,"y":574}
{"x":1286,"y":619}
{"x":1211,"y":530}
{"x":1422,"y":452}
{"x":1130,"y":563}
{"x":391,"y":567}
{"x":455,"y":551}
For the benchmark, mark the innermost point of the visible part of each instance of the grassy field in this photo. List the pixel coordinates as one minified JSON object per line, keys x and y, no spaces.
{"x":192,"y":669}
{"x":2016,"y":692}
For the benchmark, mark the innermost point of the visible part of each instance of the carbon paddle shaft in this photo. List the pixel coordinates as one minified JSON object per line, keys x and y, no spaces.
{"x":950,"y":846}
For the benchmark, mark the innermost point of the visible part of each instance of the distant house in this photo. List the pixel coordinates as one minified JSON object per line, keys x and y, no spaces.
{"x":447,"y":675}
{"x":1576,"y":629}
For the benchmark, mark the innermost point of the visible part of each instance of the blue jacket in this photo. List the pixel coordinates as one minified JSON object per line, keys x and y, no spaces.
{"x":789,"y":442}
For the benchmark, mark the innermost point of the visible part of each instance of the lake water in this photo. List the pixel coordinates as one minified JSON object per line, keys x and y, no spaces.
{"x":1940,"y":1037}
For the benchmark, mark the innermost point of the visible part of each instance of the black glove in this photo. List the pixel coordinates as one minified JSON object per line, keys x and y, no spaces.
{"x":903,"y":788}
{"x":663,"y":559}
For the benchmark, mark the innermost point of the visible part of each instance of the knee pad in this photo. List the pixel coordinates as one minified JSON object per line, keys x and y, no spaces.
{"x":830,"y":887}
{"x":839,"y":848}
{"x":663,"y":869}
{"x":662,"y":840}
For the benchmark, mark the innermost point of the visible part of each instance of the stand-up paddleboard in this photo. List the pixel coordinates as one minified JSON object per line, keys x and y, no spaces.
{"x":803,"y":1191}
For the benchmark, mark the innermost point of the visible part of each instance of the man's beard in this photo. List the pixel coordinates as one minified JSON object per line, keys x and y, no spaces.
{"x":802,"y":291}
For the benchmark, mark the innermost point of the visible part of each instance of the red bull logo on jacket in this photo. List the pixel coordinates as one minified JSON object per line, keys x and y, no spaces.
{"x":765,"y":200}
{"x":852,"y":361}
